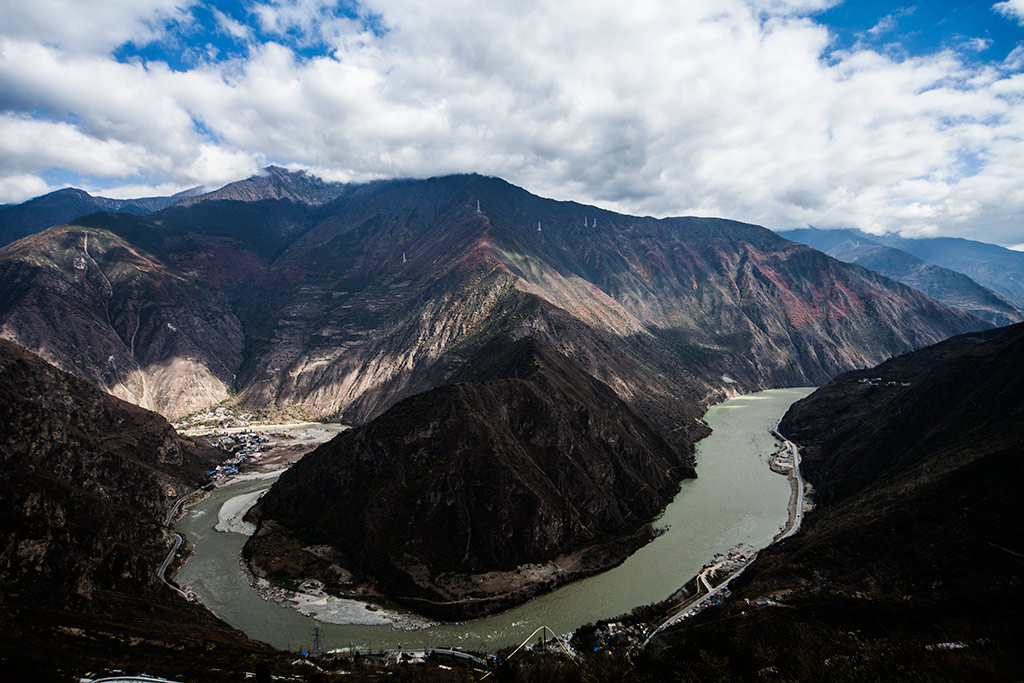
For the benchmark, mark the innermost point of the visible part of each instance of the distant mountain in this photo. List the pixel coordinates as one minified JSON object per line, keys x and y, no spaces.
{"x":21,"y":220}
{"x":274,"y":183}
{"x":995,"y":267}
{"x":345,"y":307}
{"x":86,"y":481}
{"x":911,"y":568}
{"x":439,"y":502}
{"x":992,"y":266}
{"x":948,"y":286}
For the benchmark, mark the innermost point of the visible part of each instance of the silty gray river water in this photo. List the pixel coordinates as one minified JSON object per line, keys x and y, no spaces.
{"x":736,"y":499}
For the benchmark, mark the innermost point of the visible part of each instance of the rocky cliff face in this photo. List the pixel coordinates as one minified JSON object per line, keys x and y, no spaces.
{"x":96,"y":305}
{"x":472,"y":497}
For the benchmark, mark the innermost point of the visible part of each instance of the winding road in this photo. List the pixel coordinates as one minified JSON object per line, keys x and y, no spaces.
{"x":162,"y":571}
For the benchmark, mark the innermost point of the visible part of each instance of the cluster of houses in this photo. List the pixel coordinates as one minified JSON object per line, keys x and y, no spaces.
{"x":246,"y":447}
{"x":615,"y":636}
{"x":732,"y":559}
{"x":876,"y":381}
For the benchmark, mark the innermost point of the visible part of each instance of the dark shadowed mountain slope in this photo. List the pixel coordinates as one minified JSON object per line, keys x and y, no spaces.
{"x":85,"y":482}
{"x":349,"y":304}
{"x":441,"y":501}
{"x":951,"y":287}
{"x":912,"y":567}
{"x":27,"y":218}
{"x":850,"y":406}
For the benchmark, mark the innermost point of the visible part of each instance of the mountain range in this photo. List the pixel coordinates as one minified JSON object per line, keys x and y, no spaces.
{"x":527,"y":378}
{"x":998,"y":301}
{"x":286,"y":293}
{"x":21,"y":220}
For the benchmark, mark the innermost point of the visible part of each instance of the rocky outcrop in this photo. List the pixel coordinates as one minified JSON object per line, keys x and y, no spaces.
{"x":273,"y":183}
{"x":472,"y":497}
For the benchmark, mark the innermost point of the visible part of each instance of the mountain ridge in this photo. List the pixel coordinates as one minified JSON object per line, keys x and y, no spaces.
{"x":927,"y":260}
{"x":60,"y":206}
{"x":344,"y":307}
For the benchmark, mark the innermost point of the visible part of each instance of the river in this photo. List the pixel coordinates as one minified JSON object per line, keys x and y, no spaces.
{"x":735,"y":499}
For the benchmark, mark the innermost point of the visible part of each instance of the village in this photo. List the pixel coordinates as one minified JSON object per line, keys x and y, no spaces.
{"x":877,"y":381}
{"x":251,"y":445}
{"x":246,"y":448}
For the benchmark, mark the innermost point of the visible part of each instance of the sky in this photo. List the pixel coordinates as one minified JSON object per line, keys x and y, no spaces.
{"x":786,"y":113}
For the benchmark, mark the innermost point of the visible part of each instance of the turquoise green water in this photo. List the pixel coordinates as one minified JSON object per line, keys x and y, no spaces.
{"x":735,"y":499}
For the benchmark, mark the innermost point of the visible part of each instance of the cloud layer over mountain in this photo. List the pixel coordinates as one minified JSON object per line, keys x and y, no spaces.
{"x":749,"y":110}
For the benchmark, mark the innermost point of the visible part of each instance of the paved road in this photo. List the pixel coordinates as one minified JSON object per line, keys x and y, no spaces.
{"x":686,"y":611}
{"x":177,"y":506}
{"x":160,"y":573}
{"x":798,"y":512}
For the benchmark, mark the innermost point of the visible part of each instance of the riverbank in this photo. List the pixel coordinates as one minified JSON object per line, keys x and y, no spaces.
{"x":637,"y":629}
{"x":288,"y":426}
{"x":786,"y":461}
{"x":736,"y":499}
{"x":310,"y":599}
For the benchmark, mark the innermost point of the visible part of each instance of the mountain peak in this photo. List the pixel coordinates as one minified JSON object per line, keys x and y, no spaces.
{"x":275,"y":182}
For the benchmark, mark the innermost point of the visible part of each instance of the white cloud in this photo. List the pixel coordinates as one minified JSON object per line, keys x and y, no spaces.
{"x":1011,"y":9}
{"x":28,"y":144}
{"x":720,"y":107}
{"x":18,"y":187}
{"x":233,"y":28}
{"x":884,"y":25}
{"x":90,"y":25}
{"x":977,"y":44}
{"x":136,"y":190}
